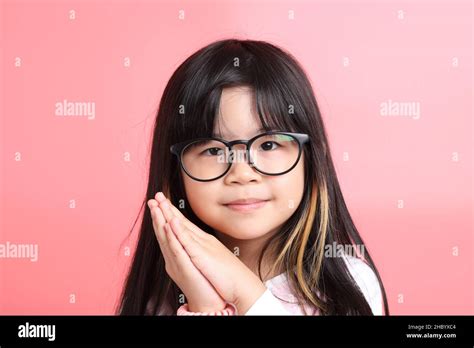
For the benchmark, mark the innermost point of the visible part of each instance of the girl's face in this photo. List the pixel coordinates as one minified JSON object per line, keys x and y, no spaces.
{"x":283,"y":193}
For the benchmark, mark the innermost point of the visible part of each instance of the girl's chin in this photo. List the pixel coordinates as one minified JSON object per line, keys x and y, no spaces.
{"x":244,"y":232}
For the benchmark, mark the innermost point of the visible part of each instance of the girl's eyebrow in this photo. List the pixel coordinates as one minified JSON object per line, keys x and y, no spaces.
{"x":260,"y":130}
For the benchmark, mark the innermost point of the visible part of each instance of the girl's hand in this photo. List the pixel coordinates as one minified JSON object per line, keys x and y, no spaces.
{"x":200,"y":294}
{"x":232,"y":279}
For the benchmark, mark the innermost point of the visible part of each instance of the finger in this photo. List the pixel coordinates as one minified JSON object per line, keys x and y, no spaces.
{"x":182,"y":258}
{"x":160,"y":197}
{"x":165,"y":207}
{"x":176,"y":248}
{"x":183,"y":219}
{"x":188,"y":241}
{"x":170,"y":211}
{"x":158,"y":224}
{"x":162,"y":236}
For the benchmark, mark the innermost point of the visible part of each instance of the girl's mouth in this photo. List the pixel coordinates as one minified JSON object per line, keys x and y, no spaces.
{"x":246,"y":207}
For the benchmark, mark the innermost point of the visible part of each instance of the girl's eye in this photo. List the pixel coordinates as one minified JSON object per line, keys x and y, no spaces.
{"x":266,"y":147}
{"x":213,"y":151}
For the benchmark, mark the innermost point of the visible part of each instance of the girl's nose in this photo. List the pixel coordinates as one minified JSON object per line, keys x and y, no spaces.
{"x":241,"y":171}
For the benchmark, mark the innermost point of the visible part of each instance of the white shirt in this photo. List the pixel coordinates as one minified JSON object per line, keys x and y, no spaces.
{"x":277,"y":287}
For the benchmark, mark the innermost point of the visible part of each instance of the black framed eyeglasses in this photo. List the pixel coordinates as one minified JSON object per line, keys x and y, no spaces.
{"x":270,"y":153}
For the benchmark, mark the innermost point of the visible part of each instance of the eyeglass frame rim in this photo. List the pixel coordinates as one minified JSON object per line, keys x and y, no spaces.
{"x":178,"y":148}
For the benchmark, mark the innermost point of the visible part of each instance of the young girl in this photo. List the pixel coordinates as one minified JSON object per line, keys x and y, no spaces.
{"x":243,"y":203}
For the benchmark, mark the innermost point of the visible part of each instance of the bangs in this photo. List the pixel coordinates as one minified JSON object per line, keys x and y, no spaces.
{"x":273,"y":114}
{"x":276,"y":88}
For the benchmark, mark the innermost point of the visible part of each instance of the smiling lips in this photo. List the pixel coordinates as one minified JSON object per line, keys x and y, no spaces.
{"x":244,"y":205}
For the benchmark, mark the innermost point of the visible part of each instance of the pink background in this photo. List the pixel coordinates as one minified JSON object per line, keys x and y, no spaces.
{"x":417,"y":51}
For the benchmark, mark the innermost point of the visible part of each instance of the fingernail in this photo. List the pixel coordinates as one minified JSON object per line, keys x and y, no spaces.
{"x":160,"y":196}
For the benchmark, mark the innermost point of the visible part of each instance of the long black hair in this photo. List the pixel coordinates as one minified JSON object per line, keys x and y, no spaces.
{"x":284,"y":100}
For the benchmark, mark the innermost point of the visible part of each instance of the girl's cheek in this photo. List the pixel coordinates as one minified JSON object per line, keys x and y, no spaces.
{"x":289,"y":196}
{"x":202,"y":197}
